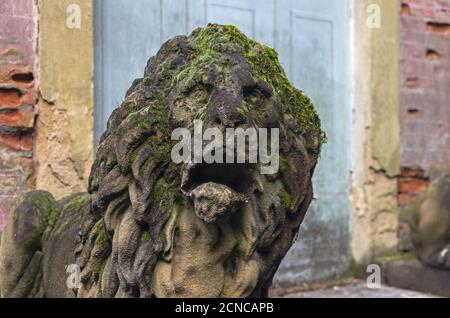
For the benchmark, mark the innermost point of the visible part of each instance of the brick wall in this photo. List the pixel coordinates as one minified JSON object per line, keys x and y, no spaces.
{"x":425,"y":94}
{"x":18,"y":97}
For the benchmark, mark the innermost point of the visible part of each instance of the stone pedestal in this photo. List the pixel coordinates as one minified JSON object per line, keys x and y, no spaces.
{"x":412,"y":274}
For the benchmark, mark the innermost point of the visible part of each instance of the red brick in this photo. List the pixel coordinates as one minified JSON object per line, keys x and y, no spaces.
{"x":26,"y":142}
{"x":9,"y":97}
{"x":18,"y":96}
{"x":23,"y":8}
{"x":10,"y":141}
{"x":410,"y":185}
{"x":22,"y":118}
{"x":433,"y":55}
{"x":415,"y":172}
{"x":406,"y":10}
{"x":17,"y":28}
{"x":6,"y":7}
{"x":438,"y":28}
{"x":17,"y":142}
{"x":30,"y":97}
{"x":10,"y":119}
{"x":424,"y":93}
{"x":412,"y":82}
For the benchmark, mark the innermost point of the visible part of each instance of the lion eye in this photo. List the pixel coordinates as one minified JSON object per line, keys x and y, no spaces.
{"x":247,"y":91}
{"x":253,"y":94}
{"x":201,"y":96}
{"x":208,"y":87}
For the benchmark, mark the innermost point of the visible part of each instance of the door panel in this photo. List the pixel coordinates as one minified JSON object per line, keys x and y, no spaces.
{"x":313,"y":42}
{"x":312,"y":38}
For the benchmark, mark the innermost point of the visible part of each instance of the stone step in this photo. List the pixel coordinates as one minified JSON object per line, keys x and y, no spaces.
{"x":413,"y":275}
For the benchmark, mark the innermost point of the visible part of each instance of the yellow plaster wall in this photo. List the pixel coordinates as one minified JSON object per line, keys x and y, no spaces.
{"x":376,"y":58}
{"x":65,"y":131}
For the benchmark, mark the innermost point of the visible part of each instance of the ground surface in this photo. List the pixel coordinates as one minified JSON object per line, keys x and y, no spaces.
{"x":345,"y":288}
{"x":359,"y":291}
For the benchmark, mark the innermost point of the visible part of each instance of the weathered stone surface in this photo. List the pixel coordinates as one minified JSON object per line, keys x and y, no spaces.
{"x":214,"y":200}
{"x":429,"y":223}
{"x":153,"y":228}
{"x":413,"y":275}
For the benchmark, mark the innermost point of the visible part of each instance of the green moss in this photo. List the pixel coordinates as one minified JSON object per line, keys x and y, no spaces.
{"x":47,"y":211}
{"x":357,"y":270}
{"x":159,"y":189}
{"x":101,"y":233}
{"x":395,"y":256}
{"x":53,"y":213}
{"x":286,"y":197}
{"x":267,"y":66}
{"x":282,"y":163}
{"x":179,"y":199}
{"x":76,"y":203}
{"x":102,"y":267}
{"x":53,"y":217}
{"x":80,"y":200}
{"x":145,"y":237}
{"x":147,"y":81}
{"x":216,"y":39}
{"x":154,"y":120}
{"x":45,"y":206}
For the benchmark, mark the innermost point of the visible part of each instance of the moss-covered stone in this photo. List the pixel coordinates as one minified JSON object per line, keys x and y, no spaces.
{"x":357,"y":270}
{"x":101,"y":233}
{"x":286,"y":197}
{"x":145,"y":237}
{"x":392,"y":257}
{"x":210,"y":44}
{"x":159,"y":190}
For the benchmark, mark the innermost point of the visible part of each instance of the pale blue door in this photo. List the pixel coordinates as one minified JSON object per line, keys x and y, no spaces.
{"x":312,"y":37}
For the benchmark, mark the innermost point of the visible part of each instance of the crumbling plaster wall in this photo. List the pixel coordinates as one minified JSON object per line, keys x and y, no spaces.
{"x":376,"y":130}
{"x":64,"y":141}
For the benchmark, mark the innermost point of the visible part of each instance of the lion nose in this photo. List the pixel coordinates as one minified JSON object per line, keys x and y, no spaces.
{"x":225,"y":111}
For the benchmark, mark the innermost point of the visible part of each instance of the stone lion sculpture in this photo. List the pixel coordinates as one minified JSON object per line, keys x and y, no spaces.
{"x":429,"y":221}
{"x":151,"y":228}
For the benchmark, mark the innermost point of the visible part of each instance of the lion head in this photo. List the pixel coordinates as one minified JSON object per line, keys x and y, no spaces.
{"x":156,"y":228}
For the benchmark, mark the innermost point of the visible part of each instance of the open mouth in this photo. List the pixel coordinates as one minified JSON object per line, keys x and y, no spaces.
{"x":233,"y":175}
{"x":217,"y":189}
